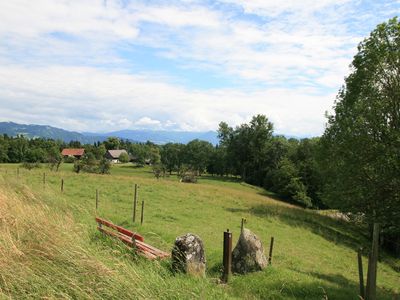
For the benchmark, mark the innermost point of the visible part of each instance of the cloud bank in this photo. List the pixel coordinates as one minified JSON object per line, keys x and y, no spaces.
{"x":184,"y":65}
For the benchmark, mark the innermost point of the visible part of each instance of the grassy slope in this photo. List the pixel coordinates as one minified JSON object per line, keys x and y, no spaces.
{"x":314,"y":255}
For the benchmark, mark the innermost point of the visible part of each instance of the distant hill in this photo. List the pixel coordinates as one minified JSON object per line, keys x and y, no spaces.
{"x":155,"y":136}
{"x":163,"y":137}
{"x":45,"y":131}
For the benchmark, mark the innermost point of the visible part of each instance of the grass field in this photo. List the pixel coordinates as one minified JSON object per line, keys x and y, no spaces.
{"x":49,"y":246}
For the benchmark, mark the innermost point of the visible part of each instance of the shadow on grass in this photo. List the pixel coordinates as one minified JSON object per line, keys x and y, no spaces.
{"x":220,"y":178}
{"x":346,"y":286}
{"x":277,"y":197}
{"x":332,"y":230}
{"x":131,"y":166}
{"x":336,"y":231}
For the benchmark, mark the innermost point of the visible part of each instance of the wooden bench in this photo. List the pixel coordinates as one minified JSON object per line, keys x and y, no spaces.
{"x":130,"y":238}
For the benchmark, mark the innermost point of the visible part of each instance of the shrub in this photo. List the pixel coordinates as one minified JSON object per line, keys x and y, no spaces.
{"x":69,"y":159}
{"x":124,"y":158}
{"x":104,"y":166}
{"x":30,"y":165}
{"x":187,"y":175}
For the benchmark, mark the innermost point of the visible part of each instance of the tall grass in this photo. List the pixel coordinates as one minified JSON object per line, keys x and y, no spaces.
{"x":49,"y":246}
{"x":46,"y":254}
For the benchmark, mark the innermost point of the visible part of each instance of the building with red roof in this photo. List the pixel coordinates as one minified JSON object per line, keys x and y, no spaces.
{"x":73,"y":152}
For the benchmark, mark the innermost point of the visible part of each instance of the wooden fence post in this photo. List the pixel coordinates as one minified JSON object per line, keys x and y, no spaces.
{"x":134,"y":203}
{"x":62,"y":185}
{"x":271,"y":247}
{"x":361,"y":274}
{"x":141,"y":216}
{"x":97,"y":199}
{"x":44,"y":180}
{"x":227,"y":256}
{"x":372,"y":265}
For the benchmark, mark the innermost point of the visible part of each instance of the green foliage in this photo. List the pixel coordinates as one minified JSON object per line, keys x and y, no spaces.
{"x":158,"y":170}
{"x":104,"y":166}
{"x":69,"y":159}
{"x":77,"y":166}
{"x":124,"y":158}
{"x":89,"y":164}
{"x":112,"y":143}
{"x":30,"y":165}
{"x":187,"y":174}
{"x":197,"y":155}
{"x":153,"y":154}
{"x":97,"y":150}
{"x":361,"y":144}
{"x":287,"y":167}
{"x":172,"y":156}
{"x":35,"y":155}
{"x":138,"y":152}
{"x":54,"y":158}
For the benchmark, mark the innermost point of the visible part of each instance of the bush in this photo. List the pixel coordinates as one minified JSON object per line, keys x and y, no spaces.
{"x":104,"y":166}
{"x":187,"y":175}
{"x":90,"y":165}
{"x":77,"y":166}
{"x":124,"y":158}
{"x":158,"y":170}
{"x":30,"y":165}
{"x":69,"y":159}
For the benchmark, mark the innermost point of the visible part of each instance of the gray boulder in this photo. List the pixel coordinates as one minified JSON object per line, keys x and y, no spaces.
{"x":248,"y":255}
{"x":188,"y":255}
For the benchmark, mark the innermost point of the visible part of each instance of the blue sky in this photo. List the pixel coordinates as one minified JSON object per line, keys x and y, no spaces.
{"x":179,"y":65}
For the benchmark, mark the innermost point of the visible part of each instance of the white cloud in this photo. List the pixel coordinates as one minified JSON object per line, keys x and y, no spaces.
{"x":273,"y":8}
{"x":54,"y":96}
{"x":147,"y":122}
{"x":90,"y":17}
{"x":64,"y":63}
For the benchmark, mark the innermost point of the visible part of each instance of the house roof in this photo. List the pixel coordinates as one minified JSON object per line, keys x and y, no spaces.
{"x":116,"y":153}
{"x":73,"y":152}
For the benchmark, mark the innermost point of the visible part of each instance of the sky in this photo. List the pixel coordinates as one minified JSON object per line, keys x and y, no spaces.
{"x":101,"y":66}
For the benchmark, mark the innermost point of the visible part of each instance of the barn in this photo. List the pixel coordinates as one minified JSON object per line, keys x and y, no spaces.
{"x":73,"y":152}
{"x":113,"y":155}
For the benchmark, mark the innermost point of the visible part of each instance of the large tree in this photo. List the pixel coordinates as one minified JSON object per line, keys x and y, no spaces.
{"x":361,"y":144}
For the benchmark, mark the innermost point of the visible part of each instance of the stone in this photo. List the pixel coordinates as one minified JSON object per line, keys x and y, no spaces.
{"x":248,"y":255}
{"x":188,"y":255}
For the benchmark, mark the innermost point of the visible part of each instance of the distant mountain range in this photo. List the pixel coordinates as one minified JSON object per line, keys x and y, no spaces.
{"x":155,"y":136}
{"x":161,"y":136}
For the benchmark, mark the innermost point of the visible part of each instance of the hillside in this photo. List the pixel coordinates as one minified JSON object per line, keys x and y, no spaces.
{"x":50,"y":248}
{"x":45,"y":131}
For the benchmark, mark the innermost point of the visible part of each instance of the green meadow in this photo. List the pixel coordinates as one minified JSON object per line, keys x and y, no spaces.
{"x":50,"y":248}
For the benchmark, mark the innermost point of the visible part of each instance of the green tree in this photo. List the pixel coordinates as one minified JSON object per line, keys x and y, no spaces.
{"x":35,"y":155}
{"x":247,"y":147}
{"x":112,"y":143}
{"x":361,"y":144}
{"x":54,"y":158}
{"x":138,"y":152}
{"x":171,"y":156}
{"x":104,"y":166}
{"x":3,"y":149}
{"x":153,"y":154}
{"x":124,"y":157}
{"x":197,"y":155}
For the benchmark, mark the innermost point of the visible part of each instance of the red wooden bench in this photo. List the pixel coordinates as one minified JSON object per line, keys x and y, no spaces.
{"x":131,"y":239}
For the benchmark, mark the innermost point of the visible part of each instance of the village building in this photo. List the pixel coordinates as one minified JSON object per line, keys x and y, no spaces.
{"x":73,"y":152}
{"x":113,"y":155}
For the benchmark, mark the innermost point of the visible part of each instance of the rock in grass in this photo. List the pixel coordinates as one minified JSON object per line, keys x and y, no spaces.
{"x":188,"y":255}
{"x":248,"y":255}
